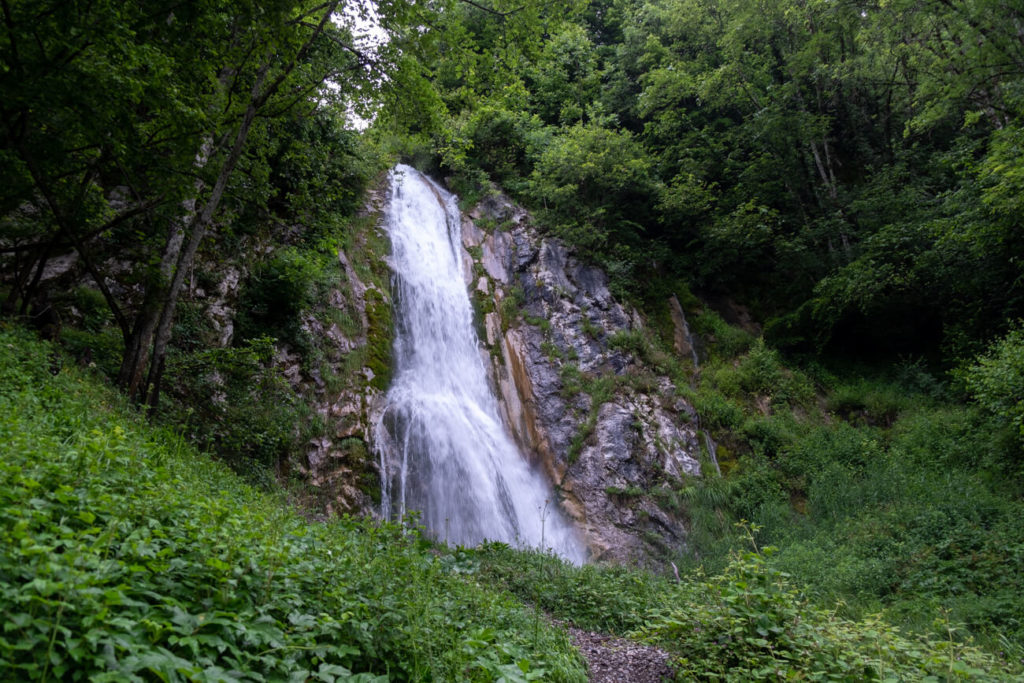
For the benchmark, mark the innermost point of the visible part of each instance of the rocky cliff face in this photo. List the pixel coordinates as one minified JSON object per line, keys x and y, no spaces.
{"x":608,"y":431}
{"x":346,"y":392}
{"x":339,"y":374}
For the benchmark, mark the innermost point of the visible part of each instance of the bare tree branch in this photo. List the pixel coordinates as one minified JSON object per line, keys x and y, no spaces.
{"x":503,"y":15}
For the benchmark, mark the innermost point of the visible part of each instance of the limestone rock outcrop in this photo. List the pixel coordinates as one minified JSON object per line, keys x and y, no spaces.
{"x":607,"y":430}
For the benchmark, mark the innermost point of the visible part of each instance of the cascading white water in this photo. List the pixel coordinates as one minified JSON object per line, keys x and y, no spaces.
{"x":444,"y":451}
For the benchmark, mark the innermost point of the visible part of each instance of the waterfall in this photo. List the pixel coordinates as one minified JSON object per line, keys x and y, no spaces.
{"x":444,"y":452}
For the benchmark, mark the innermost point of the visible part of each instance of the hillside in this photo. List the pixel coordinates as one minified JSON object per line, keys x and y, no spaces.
{"x":746,"y":280}
{"x":132,"y":557}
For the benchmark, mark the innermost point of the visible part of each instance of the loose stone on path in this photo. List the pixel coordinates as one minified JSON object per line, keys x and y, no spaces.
{"x":618,"y":660}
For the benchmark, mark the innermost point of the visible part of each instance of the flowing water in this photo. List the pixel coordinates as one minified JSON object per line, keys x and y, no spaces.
{"x":444,"y":451}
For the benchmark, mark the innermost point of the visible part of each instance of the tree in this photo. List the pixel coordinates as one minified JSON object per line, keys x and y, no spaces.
{"x":596,"y":187}
{"x":125,"y":126}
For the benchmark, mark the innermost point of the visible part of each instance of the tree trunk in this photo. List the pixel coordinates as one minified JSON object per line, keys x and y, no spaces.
{"x":136,"y":348}
{"x":149,"y":392}
{"x":186,"y":256}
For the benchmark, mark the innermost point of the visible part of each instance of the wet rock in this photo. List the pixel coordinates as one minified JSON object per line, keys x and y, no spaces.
{"x":682,"y":340}
{"x":58,"y":266}
{"x":337,"y":464}
{"x":472,"y":236}
{"x":496,"y":207}
{"x":606,"y":457}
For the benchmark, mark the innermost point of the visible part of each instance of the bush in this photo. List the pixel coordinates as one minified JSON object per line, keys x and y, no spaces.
{"x":278,"y":291}
{"x":235,"y":403}
{"x":870,"y":401}
{"x":596,"y":186}
{"x":723,"y":340}
{"x":610,"y":599}
{"x":996,"y":380}
{"x":717,"y":411}
{"x":750,"y":624}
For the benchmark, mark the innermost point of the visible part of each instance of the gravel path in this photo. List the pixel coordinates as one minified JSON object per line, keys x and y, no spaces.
{"x":617,"y":660}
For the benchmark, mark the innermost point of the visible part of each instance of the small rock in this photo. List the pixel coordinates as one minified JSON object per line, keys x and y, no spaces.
{"x":618,"y":660}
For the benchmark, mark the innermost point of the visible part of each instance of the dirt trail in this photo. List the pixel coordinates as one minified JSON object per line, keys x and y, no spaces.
{"x":618,"y":660}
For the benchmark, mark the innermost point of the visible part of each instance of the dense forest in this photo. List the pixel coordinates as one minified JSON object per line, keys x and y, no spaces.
{"x":832,"y":190}
{"x":849,"y":170}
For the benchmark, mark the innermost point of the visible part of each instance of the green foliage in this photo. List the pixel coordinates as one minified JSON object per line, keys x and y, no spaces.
{"x":500,"y":142}
{"x":852,"y":173}
{"x":630,"y":341}
{"x":894,"y":501}
{"x":319,"y":172}
{"x":723,"y":340}
{"x":870,"y":402}
{"x":751,"y":624}
{"x":597,"y":390}
{"x":996,"y":380}
{"x":610,"y":599}
{"x":102,"y":349}
{"x":761,"y":371}
{"x":127,"y":555}
{"x":748,"y":623}
{"x":510,"y":307}
{"x":379,"y":338}
{"x":279,"y":290}
{"x":92,"y":307}
{"x":595,"y":186}
{"x":235,"y":403}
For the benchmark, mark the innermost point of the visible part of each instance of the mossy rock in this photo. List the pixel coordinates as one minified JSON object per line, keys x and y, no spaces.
{"x":379,"y":338}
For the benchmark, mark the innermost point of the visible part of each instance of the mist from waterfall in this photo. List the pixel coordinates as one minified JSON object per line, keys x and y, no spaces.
{"x":444,"y":451}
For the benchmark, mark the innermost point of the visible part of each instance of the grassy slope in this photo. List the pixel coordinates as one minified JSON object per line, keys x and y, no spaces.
{"x":130,"y":556}
{"x":883,"y":489}
{"x":127,"y":555}
{"x":746,"y":623}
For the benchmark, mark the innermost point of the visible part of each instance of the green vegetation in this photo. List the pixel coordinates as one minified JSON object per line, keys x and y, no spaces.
{"x":880,"y":491}
{"x":199,"y":191}
{"x":996,"y":380}
{"x":378,"y":313}
{"x":132,"y":555}
{"x":850,"y":172}
{"x":139,"y":134}
{"x":279,"y":290}
{"x":748,"y":623}
{"x":129,"y":555}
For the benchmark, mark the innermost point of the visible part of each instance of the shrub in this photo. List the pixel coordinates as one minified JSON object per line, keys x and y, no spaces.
{"x":92,"y":307}
{"x":722,"y":339}
{"x":750,"y":624}
{"x":629,"y":341}
{"x":235,"y":403}
{"x":611,"y":599}
{"x":597,"y":186}
{"x":278,"y":291}
{"x":996,"y":380}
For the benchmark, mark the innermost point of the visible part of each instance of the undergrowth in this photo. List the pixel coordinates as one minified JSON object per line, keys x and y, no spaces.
{"x":882,"y":488}
{"x":748,"y":623}
{"x":127,"y":555}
